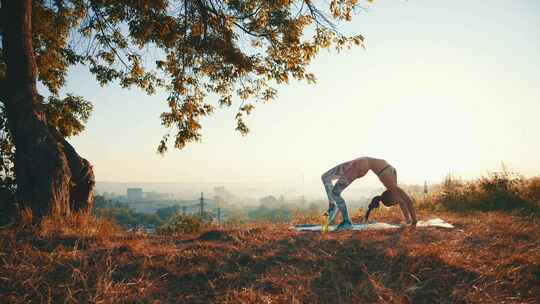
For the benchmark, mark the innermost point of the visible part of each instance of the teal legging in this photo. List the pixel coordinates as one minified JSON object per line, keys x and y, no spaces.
{"x":334,"y":191}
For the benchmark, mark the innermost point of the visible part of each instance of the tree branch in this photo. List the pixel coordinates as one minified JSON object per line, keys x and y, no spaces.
{"x":204,"y":9}
{"x":99,"y":18}
{"x":316,"y":14}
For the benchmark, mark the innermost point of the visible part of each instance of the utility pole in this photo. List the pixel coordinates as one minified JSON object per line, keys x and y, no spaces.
{"x":218,"y":205}
{"x":202,"y":205}
{"x":219,"y":216}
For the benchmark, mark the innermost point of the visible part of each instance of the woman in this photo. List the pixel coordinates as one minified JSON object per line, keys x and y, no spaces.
{"x":347,"y":172}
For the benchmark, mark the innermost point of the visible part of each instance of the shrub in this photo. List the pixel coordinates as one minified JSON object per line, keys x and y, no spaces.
{"x":503,"y":190}
{"x":274,"y":215}
{"x":182,"y":223}
{"x":531,"y":190}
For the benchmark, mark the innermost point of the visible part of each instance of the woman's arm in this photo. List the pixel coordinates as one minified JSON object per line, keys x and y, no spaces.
{"x":410,"y":206}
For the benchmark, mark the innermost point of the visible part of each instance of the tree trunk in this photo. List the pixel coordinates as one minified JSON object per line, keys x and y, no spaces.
{"x":82,"y":176}
{"x":45,"y":182}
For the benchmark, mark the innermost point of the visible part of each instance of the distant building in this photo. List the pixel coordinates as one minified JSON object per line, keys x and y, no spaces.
{"x":155,"y":196}
{"x":134,"y":194}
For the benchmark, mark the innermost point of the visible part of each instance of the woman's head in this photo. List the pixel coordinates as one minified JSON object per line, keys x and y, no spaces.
{"x":385,"y":198}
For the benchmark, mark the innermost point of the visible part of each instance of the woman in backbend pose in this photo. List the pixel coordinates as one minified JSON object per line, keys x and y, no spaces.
{"x":347,"y":172}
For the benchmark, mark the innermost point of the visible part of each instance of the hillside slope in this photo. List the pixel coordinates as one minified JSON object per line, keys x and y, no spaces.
{"x":488,"y":258}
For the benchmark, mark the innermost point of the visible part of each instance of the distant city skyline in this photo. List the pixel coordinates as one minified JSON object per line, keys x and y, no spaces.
{"x":239,"y":191}
{"x":443,"y":87}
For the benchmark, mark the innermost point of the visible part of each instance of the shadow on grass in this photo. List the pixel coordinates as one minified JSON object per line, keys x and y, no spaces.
{"x":256,"y":265}
{"x":312,"y":269}
{"x":374,"y":271}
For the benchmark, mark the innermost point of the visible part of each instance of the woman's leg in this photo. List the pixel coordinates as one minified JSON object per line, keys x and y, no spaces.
{"x":328,"y":186}
{"x":327,"y":179}
{"x":341,"y":184}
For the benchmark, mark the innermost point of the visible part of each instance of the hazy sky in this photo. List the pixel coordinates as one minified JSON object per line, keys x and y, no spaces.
{"x":443,"y":86}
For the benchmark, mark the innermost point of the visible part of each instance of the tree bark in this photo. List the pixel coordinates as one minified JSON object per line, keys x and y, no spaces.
{"x":45,"y":181}
{"x":82,"y":176}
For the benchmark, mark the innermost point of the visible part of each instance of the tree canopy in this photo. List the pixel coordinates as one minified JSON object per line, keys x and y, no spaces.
{"x":203,"y":53}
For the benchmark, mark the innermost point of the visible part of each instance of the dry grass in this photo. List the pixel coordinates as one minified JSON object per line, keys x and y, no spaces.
{"x":505,"y":191}
{"x":488,"y":258}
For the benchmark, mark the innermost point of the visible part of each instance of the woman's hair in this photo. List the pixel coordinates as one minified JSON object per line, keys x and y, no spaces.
{"x":374,"y":204}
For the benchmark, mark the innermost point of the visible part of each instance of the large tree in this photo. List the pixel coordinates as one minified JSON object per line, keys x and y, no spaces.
{"x":202,"y":52}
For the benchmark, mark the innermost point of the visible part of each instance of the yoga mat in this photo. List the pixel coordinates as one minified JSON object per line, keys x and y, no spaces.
{"x":435,"y":222}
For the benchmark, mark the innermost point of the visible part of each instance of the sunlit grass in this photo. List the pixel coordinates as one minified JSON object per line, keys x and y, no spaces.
{"x":491,"y":256}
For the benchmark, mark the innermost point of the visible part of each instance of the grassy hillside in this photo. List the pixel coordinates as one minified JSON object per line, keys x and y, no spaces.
{"x":490,"y":257}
